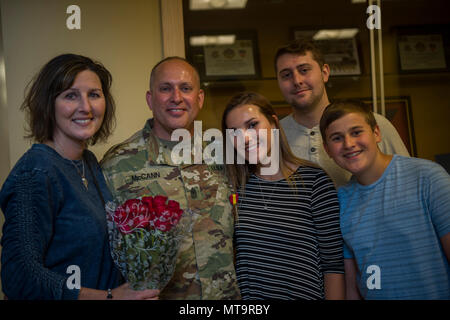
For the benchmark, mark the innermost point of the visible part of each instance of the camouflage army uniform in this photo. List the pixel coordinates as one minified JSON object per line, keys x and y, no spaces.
{"x":142,"y":165}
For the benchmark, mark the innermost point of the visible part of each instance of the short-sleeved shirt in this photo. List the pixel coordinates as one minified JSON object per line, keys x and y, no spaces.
{"x":393,"y":227}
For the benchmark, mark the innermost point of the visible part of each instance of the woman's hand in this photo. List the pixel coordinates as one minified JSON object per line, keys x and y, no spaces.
{"x":124,"y":292}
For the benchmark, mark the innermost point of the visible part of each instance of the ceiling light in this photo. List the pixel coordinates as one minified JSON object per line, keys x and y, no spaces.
{"x":225,"y":39}
{"x":216,"y":4}
{"x":328,"y":34}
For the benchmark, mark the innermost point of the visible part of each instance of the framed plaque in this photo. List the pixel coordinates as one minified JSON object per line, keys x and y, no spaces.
{"x":226,"y":55}
{"x":423,"y":49}
{"x":339,"y":48}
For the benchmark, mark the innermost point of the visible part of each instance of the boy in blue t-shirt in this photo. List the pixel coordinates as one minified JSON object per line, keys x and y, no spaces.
{"x":395,"y":212}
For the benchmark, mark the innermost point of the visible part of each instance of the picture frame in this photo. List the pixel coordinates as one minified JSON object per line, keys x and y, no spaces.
{"x":423,"y":48}
{"x":399,"y":112}
{"x":215,"y":62}
{"x":341,"y":54}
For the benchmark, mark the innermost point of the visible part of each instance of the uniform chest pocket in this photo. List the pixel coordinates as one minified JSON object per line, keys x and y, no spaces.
{"x":204,"y":183}
{"x":208,"y":193}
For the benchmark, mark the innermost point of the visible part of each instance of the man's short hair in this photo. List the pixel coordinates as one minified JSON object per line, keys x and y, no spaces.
{"x":152,"y":73}
{"x":340,"y":108}
{"x":300,"y":47}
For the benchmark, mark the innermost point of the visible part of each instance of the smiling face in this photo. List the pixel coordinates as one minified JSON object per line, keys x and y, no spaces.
{"x":246,"y":117}
{"x":302,"y":80}
{"x":175,"y":97}
{"x":79,"y":110}
{"x":352,"y":144}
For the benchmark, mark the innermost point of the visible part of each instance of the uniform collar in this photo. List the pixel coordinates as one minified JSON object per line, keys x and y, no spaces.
{"x":158,"y":152}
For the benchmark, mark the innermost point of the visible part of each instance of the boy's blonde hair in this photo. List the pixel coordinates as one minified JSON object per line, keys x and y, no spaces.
{"x":340,"y":108}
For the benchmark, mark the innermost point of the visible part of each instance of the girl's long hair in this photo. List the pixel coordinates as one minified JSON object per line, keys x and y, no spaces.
{"x":238,"y":174}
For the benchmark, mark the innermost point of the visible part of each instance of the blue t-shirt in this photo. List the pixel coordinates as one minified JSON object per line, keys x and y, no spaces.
{"x":53,"y":226}
{"x":392,"y":228}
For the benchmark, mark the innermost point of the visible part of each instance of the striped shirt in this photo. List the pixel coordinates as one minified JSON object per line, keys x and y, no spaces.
{"x":287,"y":238}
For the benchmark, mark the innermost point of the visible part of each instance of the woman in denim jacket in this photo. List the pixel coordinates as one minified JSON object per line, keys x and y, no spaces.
{"x":55,"y":239}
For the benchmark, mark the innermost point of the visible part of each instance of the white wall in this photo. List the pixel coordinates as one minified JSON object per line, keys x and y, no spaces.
{"x":125,"y":35}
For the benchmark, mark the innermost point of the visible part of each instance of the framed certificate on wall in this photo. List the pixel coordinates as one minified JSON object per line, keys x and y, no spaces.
{"x":423,"y":49}
{"x":339,"y":48}
{"x":224,"y":55}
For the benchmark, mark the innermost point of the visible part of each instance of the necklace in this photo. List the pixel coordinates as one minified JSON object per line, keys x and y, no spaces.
{"x":83,"y":177}
{"x":266,"y":206}
{"x":81,"y":174}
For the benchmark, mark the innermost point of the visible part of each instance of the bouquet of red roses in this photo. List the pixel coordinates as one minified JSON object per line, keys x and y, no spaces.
{"x":145,"y":236}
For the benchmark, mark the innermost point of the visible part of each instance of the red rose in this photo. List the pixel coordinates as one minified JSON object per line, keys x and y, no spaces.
{"x":149,"y":202}
{"x":144,"y":209}
{"x":167,"y":213}
{"x":175,"y":216}
{"x":127,"y":226}
{"x":174,"y":205}
{"x":159,"y":210}
{"x":163,"y":225}
{"x":125,"y":229}
{"x":176,"y":213}
{"x":159,"y":201}
{"x":132,"y":206}
{"x":152,"y":215}
{"x":141,"y":221}
{"x":149,"y":212}
{"x":119,"y":215}
{"x":163,"y":219}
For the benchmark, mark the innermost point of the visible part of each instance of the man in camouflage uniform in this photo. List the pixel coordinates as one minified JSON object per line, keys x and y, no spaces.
{"x":142,"y":165}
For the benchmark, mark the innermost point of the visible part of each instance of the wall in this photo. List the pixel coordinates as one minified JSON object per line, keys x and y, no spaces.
{"x":274,"y":20}
{"x":4,"y":143}
{"x":124,"y":35}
